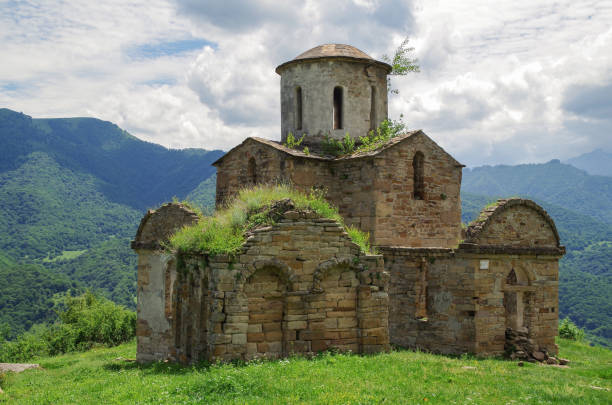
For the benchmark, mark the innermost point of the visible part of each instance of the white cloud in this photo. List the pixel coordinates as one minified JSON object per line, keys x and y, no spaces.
{"x":517,"y":82}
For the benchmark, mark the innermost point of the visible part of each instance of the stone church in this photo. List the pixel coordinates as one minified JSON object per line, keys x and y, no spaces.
{"x":302,"y":286}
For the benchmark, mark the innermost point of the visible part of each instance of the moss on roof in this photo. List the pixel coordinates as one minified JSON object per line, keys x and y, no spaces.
{"x":225,"y":232}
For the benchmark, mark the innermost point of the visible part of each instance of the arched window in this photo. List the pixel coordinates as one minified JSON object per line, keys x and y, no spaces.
{"x":418,"y":176}
{"x":298,"y":108}
{"x":373,"y":108}
{"x":252,"y":171}
{"x":511,"y":279}
{"x":338,"y":104}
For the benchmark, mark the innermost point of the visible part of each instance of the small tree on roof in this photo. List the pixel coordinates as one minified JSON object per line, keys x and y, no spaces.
{"x":401,"y":64}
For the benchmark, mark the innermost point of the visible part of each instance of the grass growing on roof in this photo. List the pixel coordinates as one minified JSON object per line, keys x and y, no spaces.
{"x":224,"y":232}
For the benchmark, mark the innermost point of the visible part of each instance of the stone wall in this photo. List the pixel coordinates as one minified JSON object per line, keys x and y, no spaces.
{"x":514,"y":222}
{"x":464,"y":299}
{"x":400,"y":218}
{"x":431,"y":303}
{"x":450,"y":301}
{"x":373,"y":191}
{"x":317,"y":80}
{"x":300,"y":286}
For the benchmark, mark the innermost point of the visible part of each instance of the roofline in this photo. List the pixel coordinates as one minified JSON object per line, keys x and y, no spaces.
{"x":384,"y":65}
{"x":356,"y":155}
{"x":480,"y":225}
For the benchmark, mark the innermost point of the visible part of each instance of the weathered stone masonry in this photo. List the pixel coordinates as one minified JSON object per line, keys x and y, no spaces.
{"x":302,"y":286}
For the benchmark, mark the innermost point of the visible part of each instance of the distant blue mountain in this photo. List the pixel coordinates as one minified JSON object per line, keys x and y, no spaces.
{"x":597,"y":162}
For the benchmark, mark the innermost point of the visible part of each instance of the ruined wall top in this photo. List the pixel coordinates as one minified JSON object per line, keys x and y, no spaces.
{"x":157,"y":225}
{"x":514,"y":222}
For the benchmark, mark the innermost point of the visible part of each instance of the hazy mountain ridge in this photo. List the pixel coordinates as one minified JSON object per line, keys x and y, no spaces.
{"x":597,"y":162}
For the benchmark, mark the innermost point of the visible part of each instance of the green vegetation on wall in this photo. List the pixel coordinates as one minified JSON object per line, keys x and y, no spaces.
{"x":224,"y":232}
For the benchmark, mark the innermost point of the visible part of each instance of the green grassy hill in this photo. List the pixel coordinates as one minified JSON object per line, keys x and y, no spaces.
{"x":399,"y":377}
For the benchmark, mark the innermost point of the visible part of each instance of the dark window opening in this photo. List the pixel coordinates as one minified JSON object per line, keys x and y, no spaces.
{"x":373,"y":109}
{"x":338,"y":107}
{"x":511,"y":279}
{"x":418,"y":170}
{"x":298,"y":108}
{"x":252,"y":171}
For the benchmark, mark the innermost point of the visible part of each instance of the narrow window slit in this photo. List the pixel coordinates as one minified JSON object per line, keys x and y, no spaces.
{"x":338,"y":107}
{"x":373,"y":109}
{"x":418,"y":170}
{"x":298,"y":108}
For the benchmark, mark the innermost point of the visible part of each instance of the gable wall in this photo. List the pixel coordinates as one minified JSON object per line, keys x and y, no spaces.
{"x":402,"y":220}
{"x":517,"y":225}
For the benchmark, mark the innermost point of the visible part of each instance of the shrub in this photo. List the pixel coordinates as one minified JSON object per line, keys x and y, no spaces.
{"x":569,"y":330}
{"x":292,"y":142}
{"x":84,"y":321}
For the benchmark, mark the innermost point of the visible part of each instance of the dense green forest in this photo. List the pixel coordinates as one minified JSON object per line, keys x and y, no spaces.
{"x":26,"y":295}
{"x":72,"y":192}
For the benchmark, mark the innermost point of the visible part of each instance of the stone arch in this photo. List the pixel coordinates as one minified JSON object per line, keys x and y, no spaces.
{"x":280,"y":268}
{"x":265,"y":289}
{"x":325,"y":267}
{"x":337,"y":282}
{"x":517,"y":286}
{"x":482,"y":229}
{"x":157,"y":225}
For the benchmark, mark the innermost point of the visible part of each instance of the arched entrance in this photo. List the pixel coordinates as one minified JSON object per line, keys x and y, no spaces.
{"x":265,"y":292}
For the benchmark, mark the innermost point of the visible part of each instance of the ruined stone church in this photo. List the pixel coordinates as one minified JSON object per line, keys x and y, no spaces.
{"x":302,"y":286}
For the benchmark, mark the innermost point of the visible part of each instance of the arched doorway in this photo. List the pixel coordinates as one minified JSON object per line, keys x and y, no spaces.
{"x":265,"y":292}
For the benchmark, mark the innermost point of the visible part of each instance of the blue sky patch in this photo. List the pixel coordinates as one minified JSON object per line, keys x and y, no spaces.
{"x":157,"y":50}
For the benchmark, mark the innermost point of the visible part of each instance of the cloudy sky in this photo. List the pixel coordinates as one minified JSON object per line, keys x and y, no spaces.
{"x":501,"y":82}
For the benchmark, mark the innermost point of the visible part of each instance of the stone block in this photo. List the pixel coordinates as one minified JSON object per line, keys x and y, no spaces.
{"x":231,"y":328}
{"x":239,"y":338}
{"x":297,"y":324}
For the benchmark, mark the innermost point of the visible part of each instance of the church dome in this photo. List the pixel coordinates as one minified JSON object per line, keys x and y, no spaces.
{"x":334,"y":51}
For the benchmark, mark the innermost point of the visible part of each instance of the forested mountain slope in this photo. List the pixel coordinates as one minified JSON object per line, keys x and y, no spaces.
{"x":128,"y":171}
{"x":72,"y":192}
{"x":555,"y":182}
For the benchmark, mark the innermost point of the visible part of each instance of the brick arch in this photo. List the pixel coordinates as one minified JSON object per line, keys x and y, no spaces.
{"x":324,"y":268}
{"x":157,"y":225}
{"x":479,"y":227}
{"x":525,"y":275}
{"x":278,"y":267}
{"x":265,"y":290}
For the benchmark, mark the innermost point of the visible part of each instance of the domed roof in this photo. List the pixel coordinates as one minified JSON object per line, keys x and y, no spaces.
{"x":328,"y":50}
{"x":334,"y":51}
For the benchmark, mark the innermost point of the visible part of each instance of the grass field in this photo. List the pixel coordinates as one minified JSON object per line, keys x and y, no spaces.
{"x":103,"y":376}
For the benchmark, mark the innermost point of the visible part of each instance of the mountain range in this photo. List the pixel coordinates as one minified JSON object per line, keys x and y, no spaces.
{"x":72,"y":192}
